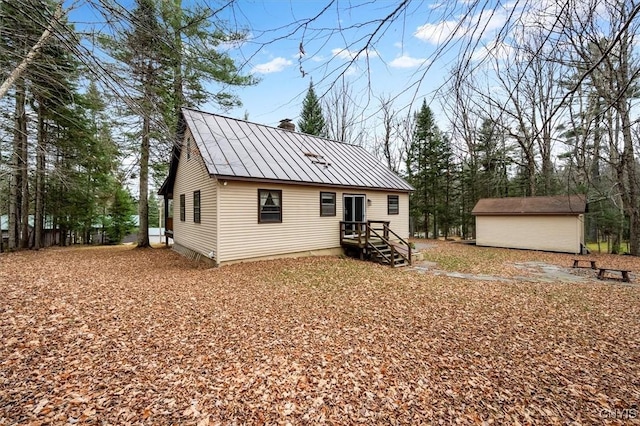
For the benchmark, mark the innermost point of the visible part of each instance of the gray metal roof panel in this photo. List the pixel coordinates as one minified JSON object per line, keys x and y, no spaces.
{"x":271,"y":146}
{"x":285,"y":150}
{"x":207,"y":142}
{"x":242,"y":149}
{"x":261,"y":147}
{"x":236,"y":142}
{"x":318,"y":146}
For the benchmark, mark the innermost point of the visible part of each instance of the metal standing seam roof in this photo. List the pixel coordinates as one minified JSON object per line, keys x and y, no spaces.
{"x":235,"y":148}
{"x":547,"y":205}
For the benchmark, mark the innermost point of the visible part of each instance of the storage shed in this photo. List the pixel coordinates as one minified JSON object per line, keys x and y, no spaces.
{"x":551,"y":223}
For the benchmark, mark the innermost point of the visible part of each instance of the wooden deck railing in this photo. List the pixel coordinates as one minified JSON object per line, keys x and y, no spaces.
{"x":354,"y":231}
{"x":367,"y":234}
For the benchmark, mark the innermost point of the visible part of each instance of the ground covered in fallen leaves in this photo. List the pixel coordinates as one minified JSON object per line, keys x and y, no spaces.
{"x":114,"y":335}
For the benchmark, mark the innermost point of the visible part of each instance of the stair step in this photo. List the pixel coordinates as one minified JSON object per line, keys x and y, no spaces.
{"x":397,"y":260}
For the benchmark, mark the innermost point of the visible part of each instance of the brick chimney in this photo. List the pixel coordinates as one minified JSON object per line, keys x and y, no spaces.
{"x":287,"y":125}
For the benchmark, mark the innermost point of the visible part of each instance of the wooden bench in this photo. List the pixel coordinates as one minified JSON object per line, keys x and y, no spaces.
{"x":625,"y":274}
{"x":576,"y":263}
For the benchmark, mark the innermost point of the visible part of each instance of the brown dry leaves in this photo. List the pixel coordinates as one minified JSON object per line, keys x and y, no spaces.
{"x":453,"y":256}
{"x":122,"y":336}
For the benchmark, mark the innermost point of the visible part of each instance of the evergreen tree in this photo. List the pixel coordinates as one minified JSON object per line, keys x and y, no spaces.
{"x":154,"y":210}
{"x":483,"y":173}
{"x":20,"y":28}
{"x":53,"y":87}
{"x":120,"y":221}
{"x":312,"y":119}
{"x":430,"y":162}
{"x":141,"y":49}
{"x":80,"y":184}
{"x":172,"y":56}
{"x":45,"y":86}
{"x":492,"y":177}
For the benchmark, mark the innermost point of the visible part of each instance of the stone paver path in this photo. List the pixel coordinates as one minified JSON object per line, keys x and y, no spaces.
{"x":538,"y":272}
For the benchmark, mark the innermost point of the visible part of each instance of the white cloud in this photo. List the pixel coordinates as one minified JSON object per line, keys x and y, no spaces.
{"x":494,"y":49}
{"x":398,"y":44}
{"x":406,"y":61}
{"x":440,"y":32}
{"x":351,"y":54}
{"x":351,"y":71}
{"x":543,"y":14}
{"x":481,"y":25}
{"x":275,"y":65}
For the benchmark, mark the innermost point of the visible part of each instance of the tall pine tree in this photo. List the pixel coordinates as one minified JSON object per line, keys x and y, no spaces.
{"x":172,"y":56}
{"x":429,"y":159}
{"x":312,"y":119}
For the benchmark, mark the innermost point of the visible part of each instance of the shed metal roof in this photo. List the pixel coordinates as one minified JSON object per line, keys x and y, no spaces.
{"x":548,"y":205}
{"x":233,"y":148}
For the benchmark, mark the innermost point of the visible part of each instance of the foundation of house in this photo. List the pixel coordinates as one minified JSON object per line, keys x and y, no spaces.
{"x":194,"y":255}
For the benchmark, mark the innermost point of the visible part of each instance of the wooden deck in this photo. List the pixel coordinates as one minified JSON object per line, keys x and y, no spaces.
{"x":374,"y":240}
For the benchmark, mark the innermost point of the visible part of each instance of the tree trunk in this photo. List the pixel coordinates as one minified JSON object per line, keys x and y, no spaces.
{"x":629,"y":167}
{"x":630,"y":196}
{"x":143,"y":203}
{"x":24,"y":176}
{"x":547,"y":165}
{"x":434,"y":209}
{"x":18,"y":217}
{"x":40,"y":165}
{"x":594,"y":175}
{"x":531,"y":173}
{"x":32,"y":55}
{"x":15,"y":183}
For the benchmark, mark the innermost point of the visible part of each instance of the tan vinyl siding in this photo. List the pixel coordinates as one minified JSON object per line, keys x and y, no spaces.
{"x":399,"y":223}
{"x":192,"y":176}
{"x":548,"y":233}
{"x":302,"y":228}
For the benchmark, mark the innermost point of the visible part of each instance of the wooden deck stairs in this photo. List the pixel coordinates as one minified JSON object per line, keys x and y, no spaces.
{"x":375,"y":241}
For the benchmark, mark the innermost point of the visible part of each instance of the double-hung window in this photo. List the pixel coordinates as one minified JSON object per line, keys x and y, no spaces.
{"x":182,"y":208}
{"x":393,"y":204}
{"x":327,"y":204}
{"x":269,"y":206}
{"x":196,"y":206}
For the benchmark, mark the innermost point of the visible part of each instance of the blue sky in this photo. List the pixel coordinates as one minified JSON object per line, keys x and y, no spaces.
{"x":401,"y":63}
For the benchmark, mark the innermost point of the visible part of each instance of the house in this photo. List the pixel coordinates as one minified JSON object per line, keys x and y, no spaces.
{"x":50,"y":236}
{"x":156,"y":236}
{"x":243,"y":191}
{"x":553,"y":223}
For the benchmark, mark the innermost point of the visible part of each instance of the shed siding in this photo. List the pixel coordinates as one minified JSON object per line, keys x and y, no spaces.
{"x":192,"y":176}
{"x":548,"y":233}
{"x":302,"y":228}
